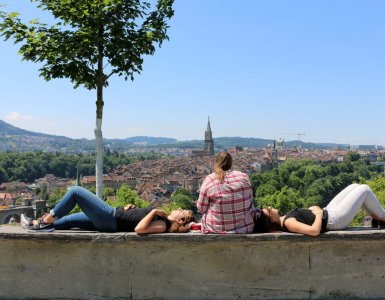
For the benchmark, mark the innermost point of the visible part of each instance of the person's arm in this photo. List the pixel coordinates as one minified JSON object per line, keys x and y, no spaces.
{"x":129,"y":206}
{"x":203,"y":201}
{"x":293,"y":225}
{"x":148,"y":225}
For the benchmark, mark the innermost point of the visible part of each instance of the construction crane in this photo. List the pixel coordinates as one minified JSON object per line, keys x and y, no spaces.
{"x":299,"y":144}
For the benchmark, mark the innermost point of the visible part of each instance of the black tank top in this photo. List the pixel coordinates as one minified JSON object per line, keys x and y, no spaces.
{"x":305,"y":216}
{"x":127,"y":220}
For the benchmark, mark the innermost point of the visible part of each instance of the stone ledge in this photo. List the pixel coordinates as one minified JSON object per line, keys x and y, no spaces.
{"x":93,"y":265}
{"x":15,"y":232}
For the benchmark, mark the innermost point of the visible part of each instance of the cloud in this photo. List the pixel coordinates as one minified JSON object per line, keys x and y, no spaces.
{"x":16,"y":117}
{"x":29,"y":122}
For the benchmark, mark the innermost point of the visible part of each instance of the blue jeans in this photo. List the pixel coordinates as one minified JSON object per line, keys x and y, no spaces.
{"x":96,"y":215}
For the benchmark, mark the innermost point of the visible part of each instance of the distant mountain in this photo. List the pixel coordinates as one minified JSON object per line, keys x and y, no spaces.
{"x":16,"y":139}
{"x":222,"y":143}
{"x":148,"y":140}
{"x":8,"y":129}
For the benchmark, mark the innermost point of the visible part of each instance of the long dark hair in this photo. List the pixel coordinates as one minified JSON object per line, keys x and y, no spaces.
{"x":183,"y":227}
{"x":223,"y":163}
{"x":264,"y":223}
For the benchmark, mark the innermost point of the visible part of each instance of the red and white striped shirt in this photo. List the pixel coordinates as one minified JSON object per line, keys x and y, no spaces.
{"x":227,"y":206}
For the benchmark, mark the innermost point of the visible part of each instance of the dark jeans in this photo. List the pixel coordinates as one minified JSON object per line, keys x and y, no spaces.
{"x":96,"y":215}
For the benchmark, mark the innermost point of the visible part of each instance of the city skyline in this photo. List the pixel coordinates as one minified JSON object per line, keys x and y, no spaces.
{"x":265,"y":69}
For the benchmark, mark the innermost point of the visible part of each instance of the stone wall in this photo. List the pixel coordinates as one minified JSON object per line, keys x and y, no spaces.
{"x":81,"y":265}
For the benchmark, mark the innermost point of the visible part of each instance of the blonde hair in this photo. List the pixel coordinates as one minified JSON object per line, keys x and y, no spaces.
{"x":182,"y":227}
{"x":223,"y":163}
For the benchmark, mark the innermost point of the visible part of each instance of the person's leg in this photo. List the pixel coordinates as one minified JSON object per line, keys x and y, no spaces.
{"x":78,"y":220}
{"x":341,"y":195}
{"x":372,"y":205}
{"x":101,"y":214}
{"x":342,"y":214}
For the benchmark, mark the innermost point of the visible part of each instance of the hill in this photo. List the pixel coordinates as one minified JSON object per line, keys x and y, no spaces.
{"x":16,"y":139}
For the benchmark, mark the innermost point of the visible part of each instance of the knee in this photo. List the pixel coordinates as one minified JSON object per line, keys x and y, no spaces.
{"x":75,"y":189}
{"x":364,"y":188}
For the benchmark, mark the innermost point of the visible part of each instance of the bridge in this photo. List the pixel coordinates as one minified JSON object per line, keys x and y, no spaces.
{"x":37,"y":208}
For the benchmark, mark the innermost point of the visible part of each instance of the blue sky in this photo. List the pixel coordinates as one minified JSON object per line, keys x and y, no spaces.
{"x":267,"y":69}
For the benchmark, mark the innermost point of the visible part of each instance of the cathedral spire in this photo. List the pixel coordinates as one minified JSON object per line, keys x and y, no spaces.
{"x":209,"y":142}
{"x":208,"y":125}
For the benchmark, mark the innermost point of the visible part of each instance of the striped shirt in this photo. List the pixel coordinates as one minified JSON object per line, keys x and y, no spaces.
{"x":227,"y":206}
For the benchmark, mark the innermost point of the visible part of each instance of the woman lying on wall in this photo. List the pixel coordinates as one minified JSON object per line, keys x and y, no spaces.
{"x":98,"y":215}
{"x":337,"y":215}
{"x":226,"y":199}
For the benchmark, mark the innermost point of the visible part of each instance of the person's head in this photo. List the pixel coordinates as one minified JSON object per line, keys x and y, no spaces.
{"x":223,"y":163}
{"x":180,"y":218}
{"x":269,"y":221}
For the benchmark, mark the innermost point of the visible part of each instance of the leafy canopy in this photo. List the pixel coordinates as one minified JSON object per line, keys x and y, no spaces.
{"x":117,"y":32}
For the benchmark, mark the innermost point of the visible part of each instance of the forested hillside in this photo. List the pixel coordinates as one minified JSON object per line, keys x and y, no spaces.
{"x":28,"y":166}
{"x":304,"y":183}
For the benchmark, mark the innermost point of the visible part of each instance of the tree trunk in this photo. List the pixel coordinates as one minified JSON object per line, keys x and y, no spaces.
{"x":99,"y":157}
{"x":98,"y":128}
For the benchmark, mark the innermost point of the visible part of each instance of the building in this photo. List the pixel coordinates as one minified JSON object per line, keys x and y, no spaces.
{"x":209,"y":142}
{"x":208,"y":148}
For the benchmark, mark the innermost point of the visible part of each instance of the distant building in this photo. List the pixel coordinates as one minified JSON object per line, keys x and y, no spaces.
{"x":208,"y":148}
{"x":209,"y":142}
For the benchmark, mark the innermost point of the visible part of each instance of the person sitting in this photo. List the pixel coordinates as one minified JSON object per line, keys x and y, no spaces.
{"x":226,"y":199}
{"x":98,"y":215}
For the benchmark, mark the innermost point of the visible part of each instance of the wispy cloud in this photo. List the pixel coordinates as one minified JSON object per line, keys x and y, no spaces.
{"x":16,"y":117}
{"x":28,"y":122}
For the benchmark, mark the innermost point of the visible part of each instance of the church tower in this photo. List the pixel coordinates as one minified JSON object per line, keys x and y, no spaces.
{"x":209,"y":142}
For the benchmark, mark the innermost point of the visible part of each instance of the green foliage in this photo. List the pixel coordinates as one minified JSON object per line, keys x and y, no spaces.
{"x":352,"y":156}
{"x":286,"y":199}
{"x":168,"y":207}
{"x":108,"y":192}
{"x":125,"y":196}
{"x":182,"y":198}
{"x":183,"y":201}
{"x":87,"y":33}
{"x":183,"y":192}
{"x":29,"y":166}
{"x":55,"y":197}
{"x":304,"y":183}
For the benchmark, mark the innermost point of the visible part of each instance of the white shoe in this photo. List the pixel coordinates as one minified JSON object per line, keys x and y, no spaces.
{"x":25,"y":222}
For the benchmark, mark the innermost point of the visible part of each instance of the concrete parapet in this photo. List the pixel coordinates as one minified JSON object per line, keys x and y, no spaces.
{"x":91,"y":265}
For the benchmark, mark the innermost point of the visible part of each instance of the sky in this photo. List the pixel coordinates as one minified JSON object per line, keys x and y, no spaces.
{"x":258,"y":68}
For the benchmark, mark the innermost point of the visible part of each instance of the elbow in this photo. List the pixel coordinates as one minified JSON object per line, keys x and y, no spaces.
{"x":315,"y":232}
{"x":138,"y":230}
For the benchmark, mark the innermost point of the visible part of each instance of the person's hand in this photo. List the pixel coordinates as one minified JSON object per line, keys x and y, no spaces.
{"x":129,"y":206}
{"x":161,"y":213}
{"x":316,"y":210}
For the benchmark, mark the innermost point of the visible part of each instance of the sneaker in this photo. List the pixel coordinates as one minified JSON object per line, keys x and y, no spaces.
{"x":25,"y":221}
{"x":40,"y":227}
{"x":378,"y":224}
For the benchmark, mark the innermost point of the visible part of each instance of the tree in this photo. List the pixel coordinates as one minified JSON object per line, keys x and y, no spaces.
{"x":89,"y":37}
{"x":182,"y":191}
{"x":183,"y":198}
{"x":128,"y":196}
{"x":352,"y":156}
{"x":3,"y":175}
